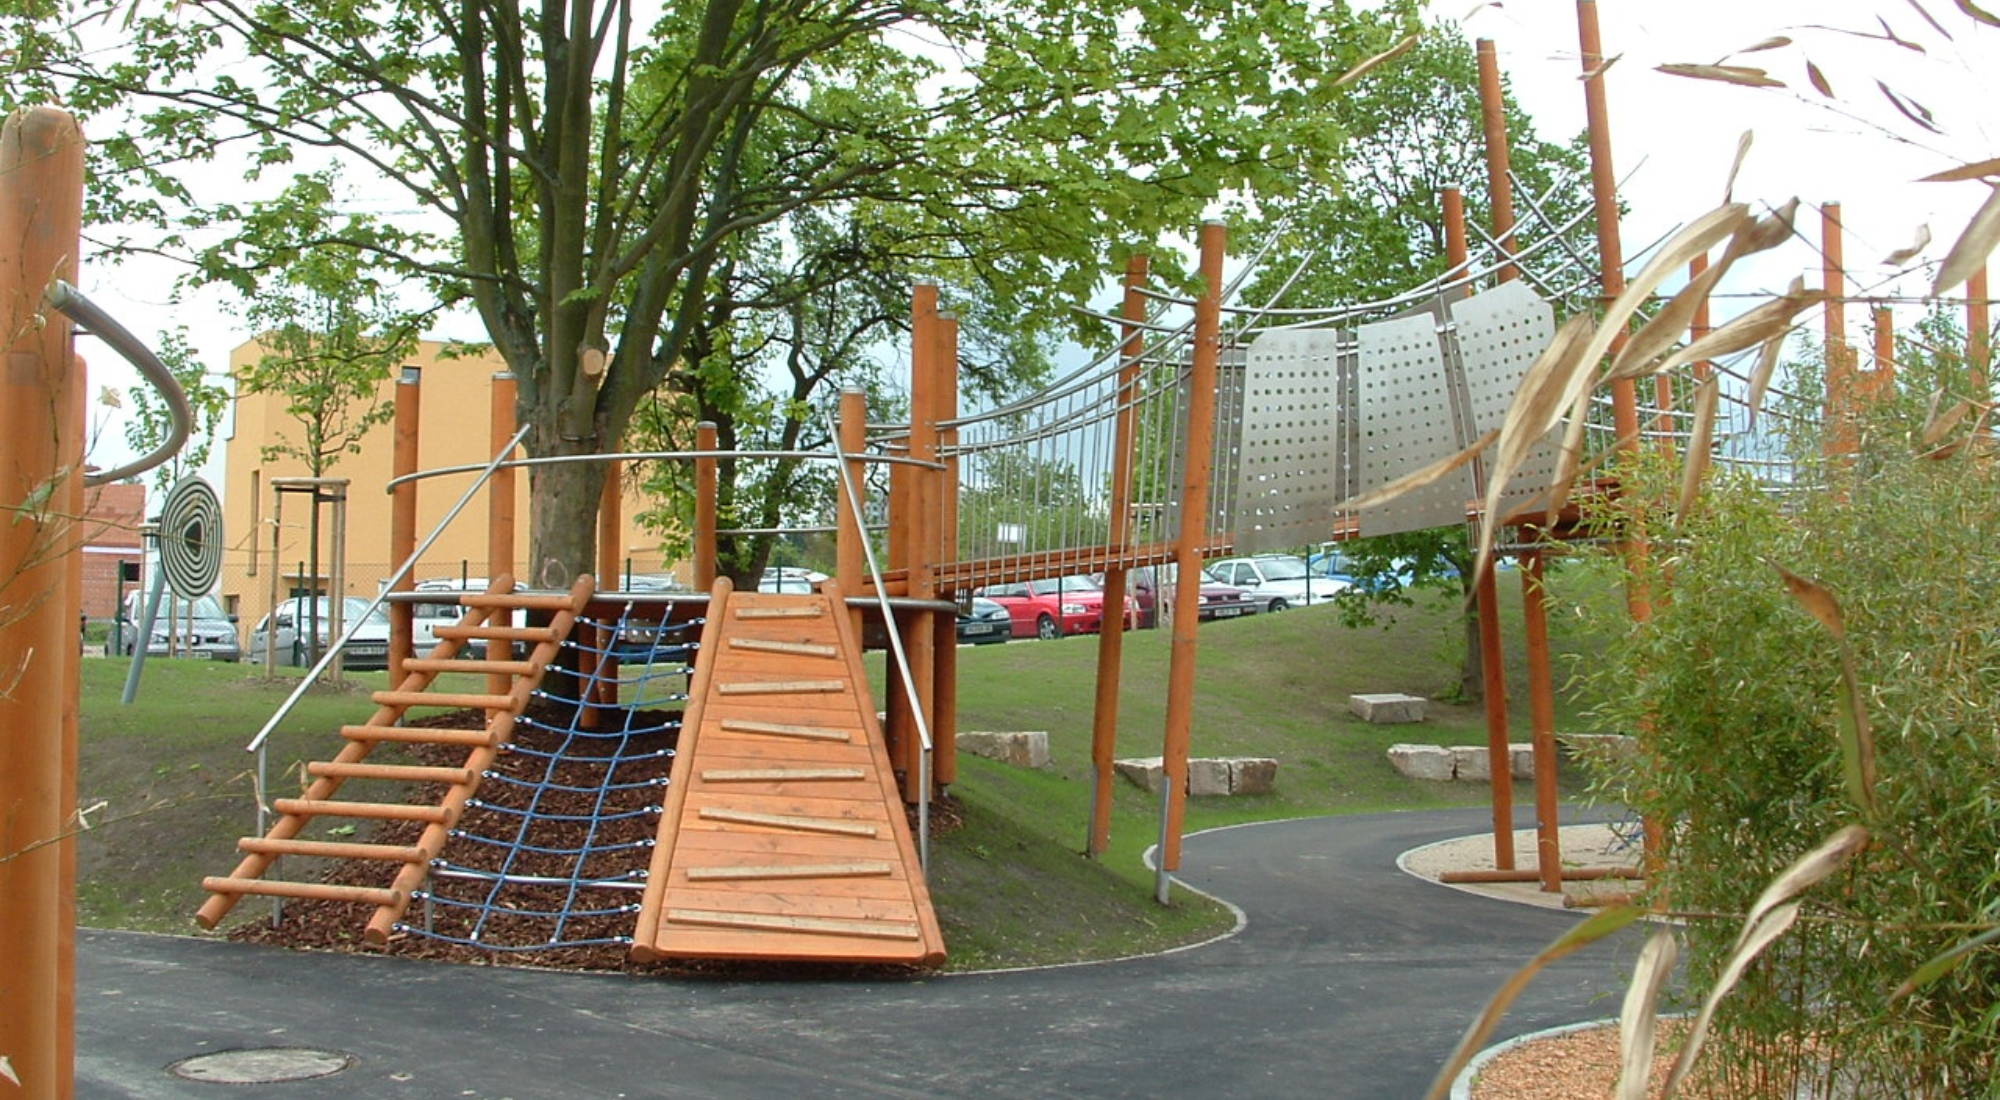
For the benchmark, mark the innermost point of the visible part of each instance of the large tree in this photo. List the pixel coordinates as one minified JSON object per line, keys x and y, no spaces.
{"x":582,"y":167}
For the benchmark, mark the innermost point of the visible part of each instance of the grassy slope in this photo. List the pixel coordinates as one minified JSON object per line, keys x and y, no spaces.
{"x":1011,"y":886}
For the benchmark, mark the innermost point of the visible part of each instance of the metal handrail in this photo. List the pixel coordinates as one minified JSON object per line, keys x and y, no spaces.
{"x":100,"y":324}
{"x":895,"y":648}
{"x":643,"y":456}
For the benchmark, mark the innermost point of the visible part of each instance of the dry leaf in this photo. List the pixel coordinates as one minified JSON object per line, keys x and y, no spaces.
{"x":1968,"y":254}
{"x":1935,"y":25}
{"x":1366,"y":66}
{"x":1638,"y":1022}
{"x":1695,"y":461}
{"x":109,"y":398}
{"x":1772,"y":319}
{"x":1818,"y":80}
{"x":1760,"y":377}
{"x":1891,"y":36}
{"x":1904,"y":255}
{"x":1663,"y":330}
{"x":1775,"y":42}
{"x":1978,"y":13}
{"x":1562,"y":371}
{"x":1938,"y":425}
{"x":1977,"y":170}
{"x":1429,"y":475}
{"x":1910,"y":108}
{"x":1590,"y":931}
{"x":1736,"y":166}
{"x":1814,"y":597}
{"x":1599,"y":69}
{"x":1728,"y":74}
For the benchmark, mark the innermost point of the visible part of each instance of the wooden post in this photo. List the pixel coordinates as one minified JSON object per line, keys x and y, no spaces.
{"x":1192,"y":539}
{"x":926,"y":495}
{"x":849,"y":559}
{"x":1457,"y":254}
{"x":402,"y":518}
{"x":76,"y":417}
{"x":1542,"y":708}
{"x":704,"y":508}
{"x":500,"y":489}
{"x":41,"y":202}
{"x":599,"y":673}
{"x":944,"y":695}
{"x":1111,"y":634}
{"x":1493,"y":123}
{"x":1978,"y":336}
{"x":1882,"y":380}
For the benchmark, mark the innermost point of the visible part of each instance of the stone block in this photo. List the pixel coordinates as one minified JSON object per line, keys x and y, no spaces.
{"x":1522,"y":760}
{"x":1207,"y":778}
{"x":1146,"y":772}
{"x":1433,"y":762}
{"x":1253,"y":775}
{"x":1021,"y":748}
{"x":1387,"y":709}
{"x":1469,"y":764}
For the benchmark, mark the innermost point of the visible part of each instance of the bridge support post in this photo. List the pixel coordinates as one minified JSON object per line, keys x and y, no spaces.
{"x":402,"y":522}
{"x":1111,"y":635}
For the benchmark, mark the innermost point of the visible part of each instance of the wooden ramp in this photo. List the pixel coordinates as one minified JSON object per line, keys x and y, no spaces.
{"x":509,"y":685}
{"x":784,"y":835}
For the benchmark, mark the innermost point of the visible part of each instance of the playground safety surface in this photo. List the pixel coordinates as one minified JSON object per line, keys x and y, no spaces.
{"x":1348,"y":979}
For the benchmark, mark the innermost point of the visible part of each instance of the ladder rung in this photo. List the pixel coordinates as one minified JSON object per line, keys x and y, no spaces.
{"x":497,"y":633}
{"x":809,"y":611}
{"x":419,"y":735}
{"x":543,"y":602}
{"x":773,"y":922}
{"x":443,"y":699}
{"x":324,"y":891}
{"x":469,"y":664}
{"x":867,"y":868}
{"x":385,"y":811}
{"x":781,"y":775}
{"x":789,"y":821}
{"x":797,"y":649}
{"x":406,"y":772}
{"x":331,"y":849}
{"x":783,"y":687}
{"x":785,"y":729}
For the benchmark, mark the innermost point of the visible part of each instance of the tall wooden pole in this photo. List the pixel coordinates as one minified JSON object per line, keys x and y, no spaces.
{"x":1485,"y":587}
{"x":72,"y":700}
{"x":1111,"y":632}
{"x":944,"y":659}
{"x":849,"y":559}
{"x":611,"y":528}
{"x":1839,"y":414}
{"x":1978,"y":336}
{"x":500,"y":489}
{"x":408,"y":411}
{"x":705,"y":474}
{"x":1882,"y":380}
{"x":1191,"y":539}
{"x":41,"y":203}
{"x":926,"y":495}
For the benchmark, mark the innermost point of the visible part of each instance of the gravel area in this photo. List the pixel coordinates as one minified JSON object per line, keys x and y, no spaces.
{"x":1574,"y":1065}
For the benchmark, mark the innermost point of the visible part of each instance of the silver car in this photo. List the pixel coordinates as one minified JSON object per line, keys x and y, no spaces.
{"x":197,"y":628}
{"x":300,"y":618}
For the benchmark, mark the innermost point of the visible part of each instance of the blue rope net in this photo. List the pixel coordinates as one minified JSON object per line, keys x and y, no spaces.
{"x":553,"y":853}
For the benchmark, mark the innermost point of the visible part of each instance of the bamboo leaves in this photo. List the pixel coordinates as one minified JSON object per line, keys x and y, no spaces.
{"x":1857,"y":737}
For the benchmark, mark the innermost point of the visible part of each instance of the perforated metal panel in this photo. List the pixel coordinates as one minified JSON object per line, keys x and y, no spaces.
{"x":1288,"y":469}
{"x":1403,"y":398}
{"x":1500,"y":332}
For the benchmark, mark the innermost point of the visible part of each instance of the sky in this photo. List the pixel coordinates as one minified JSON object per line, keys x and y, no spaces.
{"x":1673,"y":143}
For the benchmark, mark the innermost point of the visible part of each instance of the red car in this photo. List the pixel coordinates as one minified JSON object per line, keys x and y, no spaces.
{"x":1218,"y":600}
{"x":1054,"y":607}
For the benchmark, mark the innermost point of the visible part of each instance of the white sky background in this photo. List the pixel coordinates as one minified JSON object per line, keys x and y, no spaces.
{"x":1673,"y":140}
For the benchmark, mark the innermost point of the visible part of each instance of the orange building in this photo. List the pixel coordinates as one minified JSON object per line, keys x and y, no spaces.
{"x":454,"y":420}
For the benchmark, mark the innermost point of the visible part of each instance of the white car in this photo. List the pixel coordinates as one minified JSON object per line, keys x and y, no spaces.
{"x":1278,"y":582}
{"x":300,"y":618}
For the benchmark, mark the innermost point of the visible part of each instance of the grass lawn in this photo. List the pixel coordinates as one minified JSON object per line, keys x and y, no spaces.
{"x":1011,"y":886}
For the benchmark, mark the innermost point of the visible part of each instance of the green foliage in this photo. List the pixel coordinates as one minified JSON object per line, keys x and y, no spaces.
{"x":151,"y":423}
{"x":1750,"y":753}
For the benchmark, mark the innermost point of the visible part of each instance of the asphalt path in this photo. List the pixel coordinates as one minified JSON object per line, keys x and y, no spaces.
{"x":1349,"y":980}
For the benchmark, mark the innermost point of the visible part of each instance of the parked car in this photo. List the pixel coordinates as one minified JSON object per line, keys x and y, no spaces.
{"x":1053,"y":607}
{"x":428,"y":617}
{"x":1218,"y":600}
{"x":199,"y":628}
{"x":1277,"y":581}
{"x":987,"y":623}
{"x":285,"y":631}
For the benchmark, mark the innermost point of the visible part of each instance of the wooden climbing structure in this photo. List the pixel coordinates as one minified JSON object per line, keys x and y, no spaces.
{"x":784,"y":834}
{"x":488,"y":621}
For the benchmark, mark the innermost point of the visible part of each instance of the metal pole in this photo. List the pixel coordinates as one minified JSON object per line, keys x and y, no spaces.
{"x":147,"y":617}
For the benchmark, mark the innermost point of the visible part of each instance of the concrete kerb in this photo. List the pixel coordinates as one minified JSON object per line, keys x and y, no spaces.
{"x":1461,"y":1086}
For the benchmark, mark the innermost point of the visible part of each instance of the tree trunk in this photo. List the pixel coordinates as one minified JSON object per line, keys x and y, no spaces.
{"x":1471,"y":683}
{"x":562,"y":539}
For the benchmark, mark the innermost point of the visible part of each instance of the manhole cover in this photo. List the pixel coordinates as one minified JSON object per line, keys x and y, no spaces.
{"x":262,"y":1066}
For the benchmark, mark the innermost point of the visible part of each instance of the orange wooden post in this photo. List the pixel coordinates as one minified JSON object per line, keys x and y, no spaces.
{"x":1839,"y":357}
{"x":1882,"y":381}
{"x":926,"y":496}
{"x":403,"y":517}
{"x":1978,"y":336}
{"x":944,"y":668}
{"x":600,"y":673}
{"x":1111,"y":633}
{"x":849,"y":558}
{"x":1542,"y":708}
{"x":704,"y":507}
{"x":72,"y":700}
{"x":1493,"y":124}
{"x":1456,"y":252}
{"x":500,"y":489}
{"x":1192,"y":538}
{"x":41,"y":202}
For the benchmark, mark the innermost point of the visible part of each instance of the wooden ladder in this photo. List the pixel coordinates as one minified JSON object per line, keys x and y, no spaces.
{"x":510,"y":683}
{"x":784,"y":835}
